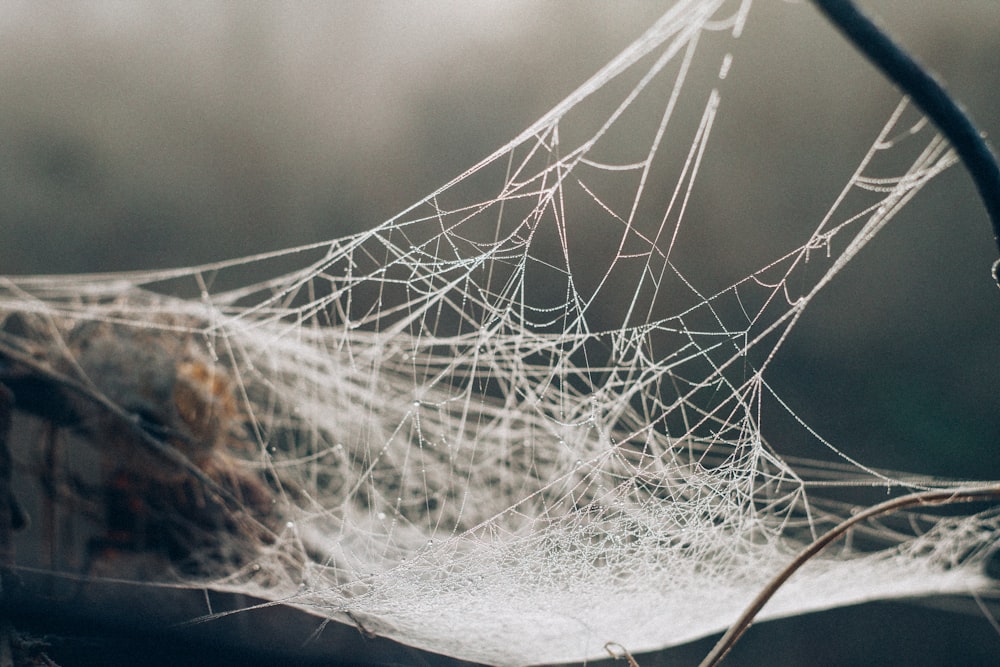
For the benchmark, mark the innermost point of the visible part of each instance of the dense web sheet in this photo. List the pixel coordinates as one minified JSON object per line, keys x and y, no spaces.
{"x":459,"y":431}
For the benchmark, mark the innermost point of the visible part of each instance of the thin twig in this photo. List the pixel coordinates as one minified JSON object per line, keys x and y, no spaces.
{"x":625,"y":653}
{"x":929,"y":94}
{"x":922,"y":499}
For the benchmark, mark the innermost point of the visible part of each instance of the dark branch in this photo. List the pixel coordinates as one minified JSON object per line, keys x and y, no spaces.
{"x":930,"y":96}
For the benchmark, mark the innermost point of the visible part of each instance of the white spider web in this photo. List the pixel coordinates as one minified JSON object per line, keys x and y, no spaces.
{"x":482,"y":445}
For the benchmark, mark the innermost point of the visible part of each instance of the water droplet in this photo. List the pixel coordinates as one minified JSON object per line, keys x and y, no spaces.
{"x":255,"y":567}
{"x":381,"y":516}
{"x":290,"y":525}
{"x":727,"y":62}
{"x":430,"y":543}
{"x":416,"y":403}
{"x":577,"y":464}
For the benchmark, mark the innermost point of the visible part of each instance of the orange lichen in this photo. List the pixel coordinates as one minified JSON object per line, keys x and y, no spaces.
{"x":168,"y":429}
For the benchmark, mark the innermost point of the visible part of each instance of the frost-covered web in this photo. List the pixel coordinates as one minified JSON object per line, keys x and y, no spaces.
{"x":480,"y":443}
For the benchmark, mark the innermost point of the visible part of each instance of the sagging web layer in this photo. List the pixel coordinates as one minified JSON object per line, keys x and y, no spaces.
{"x":459,"y":430}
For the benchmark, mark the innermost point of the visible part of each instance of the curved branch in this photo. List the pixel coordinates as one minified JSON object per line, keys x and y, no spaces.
{"x":928,"y":93}
{"x":922,"y":499}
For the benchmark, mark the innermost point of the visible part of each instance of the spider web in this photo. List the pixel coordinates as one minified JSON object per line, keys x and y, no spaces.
{"x":481,"y":444}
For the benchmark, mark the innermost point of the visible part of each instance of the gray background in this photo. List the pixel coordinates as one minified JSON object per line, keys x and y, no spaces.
{"x":138,"y":136}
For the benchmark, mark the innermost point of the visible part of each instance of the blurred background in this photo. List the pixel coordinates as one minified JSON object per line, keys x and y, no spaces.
{"x":140,"y":135}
